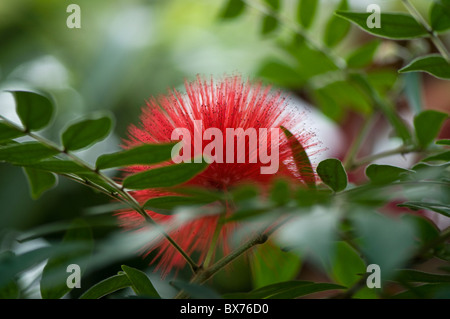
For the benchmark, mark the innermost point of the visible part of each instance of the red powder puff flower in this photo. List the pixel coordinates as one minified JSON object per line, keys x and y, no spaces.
{"x":230,"y":103}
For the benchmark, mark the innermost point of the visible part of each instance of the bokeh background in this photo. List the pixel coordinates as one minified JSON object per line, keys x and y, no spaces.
{"x":129,"y":50}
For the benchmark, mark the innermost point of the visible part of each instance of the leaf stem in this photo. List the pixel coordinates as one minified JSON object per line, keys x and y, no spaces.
{"x":434,"y":37}
{"x":368,"y":159}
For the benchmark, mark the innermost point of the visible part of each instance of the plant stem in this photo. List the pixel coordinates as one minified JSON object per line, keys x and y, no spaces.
{"x":213,"y":244}
{"x":434,"y":37}
{"x":371,"y":158}
{"x":124,"y":195}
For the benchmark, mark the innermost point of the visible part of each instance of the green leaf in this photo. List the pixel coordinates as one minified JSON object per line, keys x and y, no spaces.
{"x":427,"y":291}
{"x":408,"y":275}
{"x":269,"y":265}
{"x":285,"y":290}
{"x":7,"y":132}
{"x":363,"y":55}
{"x":384,"y":174}
{"x":166,"y":204}
{"x":336,"y":28}
{"x":273,"y":4}
{"x":269,"y":24}
{"x":86,"y":133}
{"x":233,"y":9}
{"x":280,"y":192}
{"x":75,"y":248}
{"x":140,"y":155}
{"x":34,"y":110}
{"x":384,"y":241}
{"x":25,"y":153}
{"x":428,"y":125}
{"x":166,"y":176}
{"x":107,"y":286}
{"x":396,"y":26}
{"x":306,"y":12}
{"x":413,"y":84}
{"x":426,"y":230}
{"x":301,"y":159}
{"x":12,"y":265}
{"x":445,"y":156}
{"x":39,"y":181}
{"x":440,"y":16}
{"x":440,"y":208}
{"x":10,"y":291}
{"x":433,"y":64}
{"x":58,"y":166}
{"x":281,"y":73}
{"x":333,"y":174}
{"x":443,"y":142}
{"x":142,"y":285}
{"x":347,"y":265}
{"x":196,"y":291}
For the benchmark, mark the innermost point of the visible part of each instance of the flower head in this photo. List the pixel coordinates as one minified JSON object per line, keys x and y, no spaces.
{"x":230,"y":103}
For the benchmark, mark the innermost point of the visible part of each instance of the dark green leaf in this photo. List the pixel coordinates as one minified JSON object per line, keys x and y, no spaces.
{"x":428,"y":125}
{"x":233,"y":9}
{"x":393,"y":25}
{"x":332,"y":173}
{"x":384,"y":174}
{"x":443,"y":142}
{"x":408,"y":275}
{"x":306,"y":12}
{"x":142,"y":285}
{"x":165,"y":176}
{"x":7,"y":132}
{"x":196,"y":291}
{"x":440,"y":15}
{"x":281,"y":73}
{"x":280,"y":192}
{"x":106,"y":287}
{"x":336,"y":28}
{"x":273,"y":4}
{"x":75,"y":247}
{"x":269,"y":265}
{"x":269,"y":24}
{"x":39,"y":181}
{"x":445,"y":156}
{"x":285,"y":290}
{"x":166,"y":204}
{"x":86,"y":132}
{"x":427,"y":291}
{"x":436,"y":207}
{"x":25,"y":153}
{"x":34,"y":110}
{"x":58,"y":166}
{"x":10,"y":291}
{"x":363,"y":55}
{"x":144,"y":155}
{"x":301,"y":159}
{"x":433,"y":64}
{"x":11,"y":265}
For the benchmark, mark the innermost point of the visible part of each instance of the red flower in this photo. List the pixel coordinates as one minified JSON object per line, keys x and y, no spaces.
{"x":230,"y":103}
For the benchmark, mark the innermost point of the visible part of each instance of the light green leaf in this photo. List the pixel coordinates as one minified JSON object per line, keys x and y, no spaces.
{"x":166,"y":176}
{"x":440,"y":15}
{"x":433,"y":64}
{"x":34,"y":110}
{"x":306,"y":12}
{"x":301,"y":159}
{"x":86,"y":133}
{"x":144,"y":155}
{"x":384,"y":174}
{"x":269,"y":265}
{"x":445,"y":156}
{"x":347,"y":266}
{"x":25,"y":153}
{"x":75,"y":247}
{"x":336,"y":28}
{"x":39,"y":181}
{"x":428,"y":125}
{"x":396,"y":26}
{"x":233,"y":9}
{"x":363,"y":55}
{"x":281,"y":73}
{"x":7,"y":132}
{"x":107,"y":286}
{"x":142,"y":285}
{"x":333,"y":174}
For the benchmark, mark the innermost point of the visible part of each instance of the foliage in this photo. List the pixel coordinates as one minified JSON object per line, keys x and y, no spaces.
{"x":337,"y":225}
